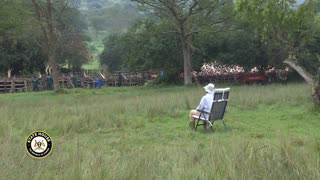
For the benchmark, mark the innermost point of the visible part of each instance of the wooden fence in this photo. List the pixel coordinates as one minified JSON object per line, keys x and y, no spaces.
{"x":13,"y":85}
{"x":25,"y":84}
{"x":19,"y":84}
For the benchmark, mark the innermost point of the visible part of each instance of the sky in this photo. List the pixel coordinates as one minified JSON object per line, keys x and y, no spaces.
{"x":300,"y":1}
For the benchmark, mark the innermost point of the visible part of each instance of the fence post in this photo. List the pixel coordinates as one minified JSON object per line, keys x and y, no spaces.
{"x":13,"y":86}
{"x":25,"y":86}
{"x":5,"y":85}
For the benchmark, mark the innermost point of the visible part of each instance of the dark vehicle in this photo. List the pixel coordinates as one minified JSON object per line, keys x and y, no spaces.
{"x":253,"y":77}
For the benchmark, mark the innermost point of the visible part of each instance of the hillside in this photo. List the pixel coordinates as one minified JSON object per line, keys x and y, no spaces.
{"x":107,"y":16}
{"x":104,"y":17}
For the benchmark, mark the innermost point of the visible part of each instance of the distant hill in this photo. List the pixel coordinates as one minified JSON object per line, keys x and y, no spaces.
{"x":107,"y":16}
{"x":104,"y":17}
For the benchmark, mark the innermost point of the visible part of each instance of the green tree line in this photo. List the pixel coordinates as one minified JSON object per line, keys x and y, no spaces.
{"x":234,"y":38}
{"x":23,"y":41}
{"x":178,"y":36}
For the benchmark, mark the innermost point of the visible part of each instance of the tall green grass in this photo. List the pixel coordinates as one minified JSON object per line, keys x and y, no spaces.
{"x":142,"y":133}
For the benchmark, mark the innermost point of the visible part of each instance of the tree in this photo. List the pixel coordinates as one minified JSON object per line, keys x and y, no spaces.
{"x":18,"y":38}
{"x":21,"y":53}
{"x":23,"y":46}
{"x":15,"y":14}
{"x":146,"y":47}
{"x":48,"y":30}
{"x":61,"y":28}
{"x":188,"y":17}
{"x":111,"y":17}
{"x":285,"y":23}
{"x":143,"y":47}
{"x":72,"y":50}
{"x":111,"y":55}
{"x":71,"y":45}
{"x":238,"y":47}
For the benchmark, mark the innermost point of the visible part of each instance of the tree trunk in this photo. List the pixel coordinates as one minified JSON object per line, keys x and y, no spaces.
{"x":316,"y":94}
{"x":49,"y":35}
{"x":186,"y":57}
{"x":308,"y":78}
{"x":316,"y":90}
{"x":52,"y":38}
{"x":303,"y":73}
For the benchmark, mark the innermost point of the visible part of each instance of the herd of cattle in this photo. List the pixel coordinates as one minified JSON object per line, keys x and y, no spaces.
{"x":234,"y":73}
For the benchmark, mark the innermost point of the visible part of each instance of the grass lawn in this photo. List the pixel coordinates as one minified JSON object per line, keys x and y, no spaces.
{"x":143,"y":133}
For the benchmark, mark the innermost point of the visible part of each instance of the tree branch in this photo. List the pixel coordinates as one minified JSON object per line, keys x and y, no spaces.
{"x":306,"y":76}
{"x":63,"y":8}
{"x":39,"y":15}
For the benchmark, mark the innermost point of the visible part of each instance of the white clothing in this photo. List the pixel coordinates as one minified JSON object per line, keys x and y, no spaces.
{"x":205,"y":104}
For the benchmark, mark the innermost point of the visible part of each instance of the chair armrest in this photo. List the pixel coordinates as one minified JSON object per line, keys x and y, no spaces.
{"x":219,"y":100}
{"x":202,"y":112}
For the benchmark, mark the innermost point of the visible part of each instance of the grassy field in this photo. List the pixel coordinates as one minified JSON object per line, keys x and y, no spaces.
{"x":143,"y":133}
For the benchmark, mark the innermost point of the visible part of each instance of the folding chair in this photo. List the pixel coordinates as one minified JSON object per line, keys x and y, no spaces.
{"x":219,"y":104}
{"x":221,"y":94}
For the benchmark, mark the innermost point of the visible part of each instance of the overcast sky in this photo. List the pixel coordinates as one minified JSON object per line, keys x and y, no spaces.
{"x":300,"y":1}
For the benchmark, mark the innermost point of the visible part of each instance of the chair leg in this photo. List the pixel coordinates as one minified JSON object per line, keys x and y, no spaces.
{"x":207,"y":126}
{"x":210,"y":123}
{"x":192,"y":125}
{"x":224,"y":124}
{"x":197,"y":125}
{"x":211,"y":129}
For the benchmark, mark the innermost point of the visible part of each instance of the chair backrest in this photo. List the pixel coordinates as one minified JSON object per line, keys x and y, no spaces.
{"x":217,"y":110}
{"x":221,"y":93}
{"x":220,"y":101}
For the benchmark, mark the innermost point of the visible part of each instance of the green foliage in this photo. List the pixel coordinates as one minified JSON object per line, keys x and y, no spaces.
{"x":19,"y":44}
{"x":292,"y":27}
{"x":111,"y":55}
{"x":283,"y":22}
{"x":14,"y":17}
{"x":151,"y":45}
{"x":105,"y":18}
{"x":186,"y":19}
{"x":145,"y":46}
{"x":72,"y":49}
{"x":109,"y":17}
{"x":21,"y":54}
{"x":308,"y":56}
{"x":23,"y":46}
{"x":238,"y":46}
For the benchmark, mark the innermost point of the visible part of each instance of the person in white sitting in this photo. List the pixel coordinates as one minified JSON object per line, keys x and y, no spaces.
{"x":204,"y":105}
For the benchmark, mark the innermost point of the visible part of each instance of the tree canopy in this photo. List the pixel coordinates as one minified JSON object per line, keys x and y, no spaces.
{"x":23,"y":46}
{"x":186,"y":18}
{"x":285,"y":23}
{"x":172,"y":35}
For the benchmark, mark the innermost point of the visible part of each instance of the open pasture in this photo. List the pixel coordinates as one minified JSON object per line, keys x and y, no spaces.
{"x":143,"y":133}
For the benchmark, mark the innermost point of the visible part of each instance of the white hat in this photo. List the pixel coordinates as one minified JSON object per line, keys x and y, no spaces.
{"x":209,"y":88}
